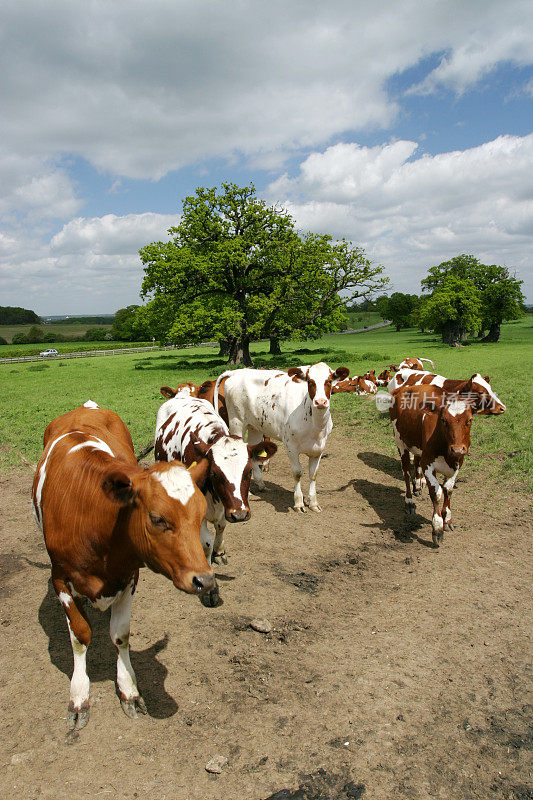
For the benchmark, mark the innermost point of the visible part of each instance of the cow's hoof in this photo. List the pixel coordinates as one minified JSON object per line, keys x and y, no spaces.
{"x":220,"y":558}
{"x":133,"y":706}
{"x":211,"y":599}
{"x":260,"y":487}
{"x":417,"y":491}
{"x":299,"y":509}
{"x":438,"y":536}
{"x":77,"y":718}
{"x":315,"y":507}
{"x":410,"y":508}
{"x":448,"y":526}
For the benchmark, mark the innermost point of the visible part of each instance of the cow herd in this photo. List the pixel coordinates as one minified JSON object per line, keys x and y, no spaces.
{"x":104,"y":516}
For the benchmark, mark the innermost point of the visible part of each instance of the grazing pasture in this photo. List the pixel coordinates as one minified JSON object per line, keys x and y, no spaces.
{"x":390,"y":670}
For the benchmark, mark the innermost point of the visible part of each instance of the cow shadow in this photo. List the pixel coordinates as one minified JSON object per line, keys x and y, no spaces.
{"x":282,"y":500}
{"x":382,"y":463}
{"x":101,"y":655}
{"x":388,"y":503}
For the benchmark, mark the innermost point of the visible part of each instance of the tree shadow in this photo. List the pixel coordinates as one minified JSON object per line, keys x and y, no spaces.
{"x":382,"y":463}
{"x":388,"y":503}
{"x":101,"y":658}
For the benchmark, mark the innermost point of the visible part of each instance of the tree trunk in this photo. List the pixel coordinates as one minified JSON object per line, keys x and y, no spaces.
{"x":275,"y":349}
{"x":240,"y":352}
{"x":225,"y":345}
{"x":451,"y":333}
{"x":494,"y":333}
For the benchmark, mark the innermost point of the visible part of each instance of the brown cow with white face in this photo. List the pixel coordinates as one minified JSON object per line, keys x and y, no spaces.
{"x":437,"y":431}
{"x":189,"y":429}
{"x":205,"y":391}
{"x":103,"y":517}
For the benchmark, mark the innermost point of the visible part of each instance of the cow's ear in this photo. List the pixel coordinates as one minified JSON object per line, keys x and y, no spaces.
{"x":118,"y":486}
{"x":200,"y":447}
{"x":486,"y":378}
{"x":166,"y":391}
{"x":261,"y":451}
{"x":199,"y":471}
{"x":296,"y":372}
{"x":341,"y":373}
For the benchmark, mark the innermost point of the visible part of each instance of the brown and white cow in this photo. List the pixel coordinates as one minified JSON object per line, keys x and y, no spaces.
{"x":412,"y":362}
{"x":437,"y":431}
{"x":189,"y":429}
{"x":103,"y":517}
{"x":205,"y":391}
{"x":292,"y":407}
{"x":358,"y":385}
{"x":476,"y":390}
{"x":384,"y":377}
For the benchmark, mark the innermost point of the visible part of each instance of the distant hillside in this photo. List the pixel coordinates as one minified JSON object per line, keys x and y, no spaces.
{"x":13,"y":315}
{"x":65,"y":319}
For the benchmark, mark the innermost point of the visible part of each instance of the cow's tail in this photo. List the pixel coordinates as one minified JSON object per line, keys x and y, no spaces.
{"x":428,"y":359}
{"x":219,"y":380}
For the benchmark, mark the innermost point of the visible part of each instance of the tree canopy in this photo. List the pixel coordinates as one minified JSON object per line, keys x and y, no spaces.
{"x":14,"y":315}
{"x":399,"y":308}
{"x":236,"y":270}
{"x":452,"y":310}
{"x":500,"y":295}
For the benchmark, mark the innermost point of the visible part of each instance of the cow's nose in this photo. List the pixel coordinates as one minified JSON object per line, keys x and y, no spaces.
{"x":204,"y":582}
{"x":459,"y":450}
{"x":321,"y":403}
{"x":236,"y":515}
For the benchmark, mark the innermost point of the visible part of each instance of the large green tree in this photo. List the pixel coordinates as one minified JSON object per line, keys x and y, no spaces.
{"x":500,"y":293}
{"x":453,"y":309}
{"x":236,"y":270}
{"x":400,"y":309}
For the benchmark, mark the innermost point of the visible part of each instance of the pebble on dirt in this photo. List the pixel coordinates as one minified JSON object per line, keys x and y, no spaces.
{"x":261,"y":625}
{"x":216,"y":764}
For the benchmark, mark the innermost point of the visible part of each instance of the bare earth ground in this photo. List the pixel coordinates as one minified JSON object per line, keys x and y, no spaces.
{"x":393,"y":671}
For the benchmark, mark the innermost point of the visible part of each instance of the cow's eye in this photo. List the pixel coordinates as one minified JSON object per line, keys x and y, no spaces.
{"x":158,"y":521}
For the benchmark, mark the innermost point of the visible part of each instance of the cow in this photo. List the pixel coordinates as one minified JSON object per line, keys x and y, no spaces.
{"x":436,"y":430}
{"x":414,"y":363}
{"x":477,"y":390}
{"x":358,"y":384}
{"x":205,"y":391}
{"x":103,"y":517}
{"x":384,"y":377}
{"x":189,"y":429}
{"x":370,"y":376}
{"x":292,"y":407}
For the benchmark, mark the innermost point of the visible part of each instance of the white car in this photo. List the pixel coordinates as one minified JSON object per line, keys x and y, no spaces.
{"x":50,"y":352}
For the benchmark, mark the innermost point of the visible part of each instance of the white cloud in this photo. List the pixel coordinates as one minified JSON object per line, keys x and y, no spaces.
{"x":140,"y":89}
{"x":411,"y":214}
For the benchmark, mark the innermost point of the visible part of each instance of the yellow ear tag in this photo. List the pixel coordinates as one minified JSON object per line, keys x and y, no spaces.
{"x":263,"y":454}
{"x":192,"y":465}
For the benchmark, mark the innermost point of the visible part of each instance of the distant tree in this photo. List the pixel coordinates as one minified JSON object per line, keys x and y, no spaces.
{"x":500,"y":293}
{"x":453,"y":309}
{"x":129,"y":325}
{"x":19,"y":338}
{"x":35,"y":335}
{"x":3,"y":341}
{"x":400,"y":308}
{"x":236,"y":270}
{"x":13,"y":315}
{"x":95,"y":334}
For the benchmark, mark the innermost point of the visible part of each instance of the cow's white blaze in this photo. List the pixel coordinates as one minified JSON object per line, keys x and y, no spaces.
{"x":177,"y":483}
{"x":231,"y":456}
{"x":478,"y":379}
{"x":457,"y":407}
{"x":91,"y":404}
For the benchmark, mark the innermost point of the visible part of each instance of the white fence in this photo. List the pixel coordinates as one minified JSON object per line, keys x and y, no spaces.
{"x":92,"y":353}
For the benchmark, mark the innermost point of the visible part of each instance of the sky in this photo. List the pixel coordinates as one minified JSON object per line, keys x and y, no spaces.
{"x":406,"y":128}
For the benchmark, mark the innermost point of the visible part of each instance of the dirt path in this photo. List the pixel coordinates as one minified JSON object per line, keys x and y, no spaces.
{"x":392,"y":670}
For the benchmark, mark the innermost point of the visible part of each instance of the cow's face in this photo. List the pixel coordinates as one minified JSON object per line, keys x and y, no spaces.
{"x":487,"y":401}
{"x":167,"y":510}
{"x":319,"y":379}
{"x":456,"y":419}
{"x":230,"y":471}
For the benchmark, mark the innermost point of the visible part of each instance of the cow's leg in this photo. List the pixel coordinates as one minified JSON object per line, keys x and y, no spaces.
{"x":254,"y":437}
{"x":419,"y":479}
{"x":80,"y":639}
{"x":219,"y":549}
{"x":206,"y":538}
{"x":313,"y":469}
{"x":435,"y":492}
{"x":119,"y":629}
{"x":294,"y":458}
{"x":448,"y":487}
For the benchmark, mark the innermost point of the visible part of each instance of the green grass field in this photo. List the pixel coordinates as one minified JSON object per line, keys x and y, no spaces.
{"x":33,"y":394}
{"x":73,"y":329}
